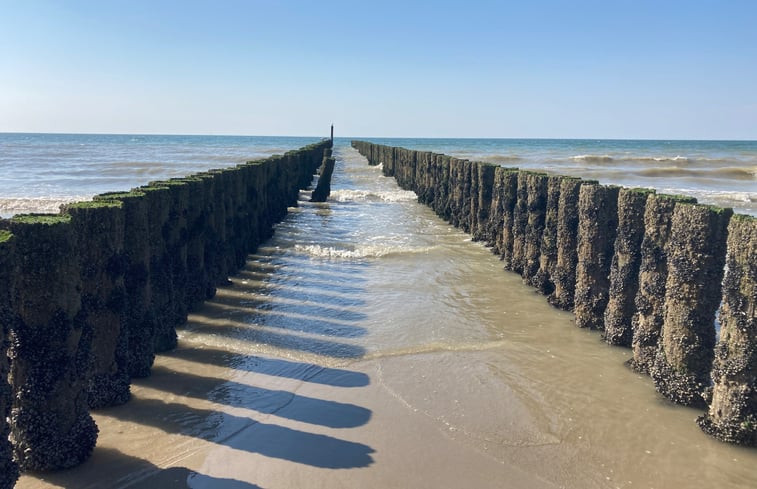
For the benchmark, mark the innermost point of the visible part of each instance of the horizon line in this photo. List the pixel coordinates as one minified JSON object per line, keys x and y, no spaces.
{"x":65,"y":133}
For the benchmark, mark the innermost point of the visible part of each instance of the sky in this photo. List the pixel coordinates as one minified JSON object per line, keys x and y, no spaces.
{"x":501,"y":69}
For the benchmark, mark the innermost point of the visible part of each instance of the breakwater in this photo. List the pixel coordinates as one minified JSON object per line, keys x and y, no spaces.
{"x":90,"y":295}
{"x":644,"y":268}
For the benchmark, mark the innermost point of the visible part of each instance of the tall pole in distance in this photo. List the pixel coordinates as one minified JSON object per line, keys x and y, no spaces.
{"x":332,"y":133}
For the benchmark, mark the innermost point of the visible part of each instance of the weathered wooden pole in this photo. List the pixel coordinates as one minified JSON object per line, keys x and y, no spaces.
{"x":597,"y":227}
{"x":564,"y":276}
{"x":99,"y":229}
{"x":624,"y":270}
{"x":537,"y":210}
{"x":139,"y":320}
{"x":732,"y":416}
{"x":8,"y":271}
{"x":482,"y":218}
{"x":520,"y":220}
{"x":507,"y":190}
{"x":51,"y":427}
{"x":543,"y":281}
{"x":696,"y":257}
{"x":323,"y":187}
{"x":647,"y":320}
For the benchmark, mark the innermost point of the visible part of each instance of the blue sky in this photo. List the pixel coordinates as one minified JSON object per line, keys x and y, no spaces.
{"x":563,"y":69}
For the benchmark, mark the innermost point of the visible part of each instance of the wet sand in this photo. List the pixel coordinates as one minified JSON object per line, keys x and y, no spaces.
{"x":507,"y":413}
{"x":368,"y":344}
{"x":197,"y":423}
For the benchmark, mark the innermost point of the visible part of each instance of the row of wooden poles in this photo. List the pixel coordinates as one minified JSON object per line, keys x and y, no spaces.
{"x":90,"y":295}
{"x":649,"y":270}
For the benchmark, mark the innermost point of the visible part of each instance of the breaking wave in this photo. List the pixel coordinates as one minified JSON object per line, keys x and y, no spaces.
{"x":658,"y":159}
{"x":741,"y":202}
{"x":729,"y":172}
{"x":608,"y":158}
{"x":593,"y":158}
{"x":10,"y":206}
{"x":359,"y":252}
{"x":590,"y":158}
{"x":349,"y":195}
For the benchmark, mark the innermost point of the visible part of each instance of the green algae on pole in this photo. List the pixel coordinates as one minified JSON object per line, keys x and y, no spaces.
{"x":597,"y":227}
{"x":732,"y":414}
{"x":51,"y":427}
{"x":8,"y":468}
{"x":624,"y":270}
{"x":696,"y":257}
{"x":649,"y":315}
{"x":99,"y":228}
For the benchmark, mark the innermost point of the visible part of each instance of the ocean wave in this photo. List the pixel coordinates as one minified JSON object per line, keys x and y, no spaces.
{"x":348,"y":195}
{"x":608,"y":159}
{"x":499,"y":158}
{"x":593,"y":158}
{"x":734,"y":173}
{"x":721,"y":196}
{"x":740,"y":201}
{"x":658,"y":159}
{"x":678,"y":159}
{"x":361,"y":252}
{"x":10,"y":206}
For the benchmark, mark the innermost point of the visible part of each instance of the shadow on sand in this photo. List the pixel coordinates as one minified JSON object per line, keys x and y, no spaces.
{"x":282,"y":403}
{"x":307,"y":372}
{"x":257,"y":334}
{"x":246,"y":434}
{"x":125,"y":471}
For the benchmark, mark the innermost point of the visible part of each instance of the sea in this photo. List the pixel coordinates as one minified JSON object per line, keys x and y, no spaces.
{"x":368,"y":334}
{"x":39,"y":172}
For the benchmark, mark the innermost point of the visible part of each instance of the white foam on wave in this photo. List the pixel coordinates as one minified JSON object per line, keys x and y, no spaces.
{"x":676,"y":159}
{"x":741,"y":202}
{"x":358,"y":195}
{"x":360,"y":252}
{"x":10,"y":206}
{"x":589,"y":158}
{"x":593,"y":158}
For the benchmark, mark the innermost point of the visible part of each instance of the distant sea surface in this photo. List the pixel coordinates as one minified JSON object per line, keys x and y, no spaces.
{"x":39,"y":172}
